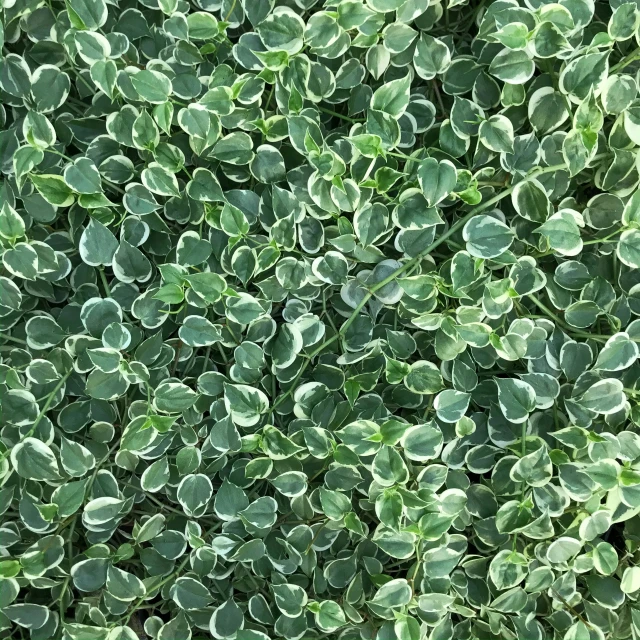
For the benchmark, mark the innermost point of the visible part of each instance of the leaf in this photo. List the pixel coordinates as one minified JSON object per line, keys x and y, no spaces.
{"x":628,"y":249}
{"x":437,"y":179}
{"x":423,"y":377}
{"x":194,"y":493}
{"x":155,"y":476}
{"x":618,"y":353}
{"x":124,"y":585}
{"x":393,"y":97}
{"x":29,"y":616}
{"x":53,"y":189}
{"x":199,"y":332}
{"x":90,"y":14}
{"x":34,"y":460}
{"x":190,"y":594}
{"x":517,"y":399}
{"x":245,"y":403}
{"x":395,"y":593}
{"x":487,"y":237}
{"x":431,"y":57}
{"x":152,"y":86}
{"x":496,"y":134}
{"x":82,"y":176}
{"x":282,"y":31}
{"x":11,"y":224}
{"x":97,"y":244}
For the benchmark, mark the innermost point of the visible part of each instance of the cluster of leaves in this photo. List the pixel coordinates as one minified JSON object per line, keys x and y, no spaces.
{"x":319,"y":319}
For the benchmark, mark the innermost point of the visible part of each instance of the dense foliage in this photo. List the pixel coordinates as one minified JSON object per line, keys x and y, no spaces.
{"x":319,"y":320}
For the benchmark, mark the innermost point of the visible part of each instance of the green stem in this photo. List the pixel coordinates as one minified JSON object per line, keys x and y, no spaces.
{"x":576,"y":613}
{"x":632,"y":57}
{"x":605,"y":239}
{"x":233,"y":6}
{"x":549,"y":313}
{"x":153,"y":499}
{"x":454,"y":228}
{"x":138,"y":603}
{"x":44,"y":410}
{"x":339,"y":115}
{"x":398,"y":154}
{"x":273,"y":88}
{"x":475,"y":13}
{"x":61,"y":603}
{"x":58,"y":153}
{"x":14,"y":339}
{"x":436,"y":90}
{"x":523,"y":453}
{"x":588,"y":242}
{"x":70,"y":539}
{"x":207,"y":353}
{"x":115,"y":187}
{"x":222,"y":354}
{"x":105,"y":284}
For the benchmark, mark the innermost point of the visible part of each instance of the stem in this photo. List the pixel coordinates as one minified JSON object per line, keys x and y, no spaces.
{"x":406,"y":266}
{"x":273,"y":87}
{"x":233,"y":6}
{"x":44,"y":410}
{"x":548,"y":312}
{"x":566,"y":604}
{"x":339,"y":115}
{"x":588,"y":242}
{"x":223,"y":355}
{"x":124,"y":620}
{"x":632,"y":57}
{"x":153,"y":499}
{"x":177,"y":357}
{"x":315,"y":537}
{"x":523,"y":453}
{"x":115,"y":187}
{"x":69,"y":539}
{"x":105,"y":284}
{"x":605,"y":239}
{"x":439,"y":96}
{"x":58,"y":153}
{"x":404,"y":156}
{"x":474,"y":15}
{"x":61,"y":604}
{"x":14,"y":339}
{"x":207,"y":353}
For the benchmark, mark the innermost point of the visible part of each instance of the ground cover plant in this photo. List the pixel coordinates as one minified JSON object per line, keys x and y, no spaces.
{"x":319,"y":320}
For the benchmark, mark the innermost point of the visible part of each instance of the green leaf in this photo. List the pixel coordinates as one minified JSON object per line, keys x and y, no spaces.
{"x":517,"y":399}
{"x":423,"y":377}
{"x":395,"y":593}
{"x":393,"y":97}
{"x":34,"y":460}
{"x":152,"y":86}
{"x":11,"y":224}
{"x":487,"y":237}
{"x":97,"y":244}
{"x":53,"y":189}
{"x":437,"y":179}
{"x":199,"y":332}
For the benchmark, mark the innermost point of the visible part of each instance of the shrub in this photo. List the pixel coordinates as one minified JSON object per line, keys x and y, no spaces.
{"x":319,"y":321}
